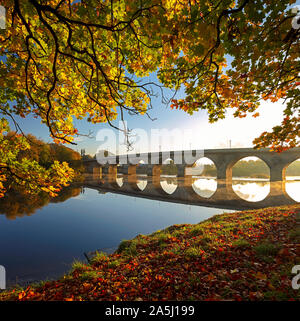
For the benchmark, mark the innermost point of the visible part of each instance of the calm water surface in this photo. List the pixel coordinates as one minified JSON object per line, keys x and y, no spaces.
{"x":45,"y":243}
{"x":40,"y":239}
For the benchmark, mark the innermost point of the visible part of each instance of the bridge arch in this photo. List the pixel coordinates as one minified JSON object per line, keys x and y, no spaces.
{"x":204,"y":175}
{"x":244,"y":172}
{"x":203,"y":166}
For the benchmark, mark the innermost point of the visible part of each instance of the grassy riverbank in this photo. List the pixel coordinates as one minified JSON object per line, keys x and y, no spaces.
{"x":245,"y":255}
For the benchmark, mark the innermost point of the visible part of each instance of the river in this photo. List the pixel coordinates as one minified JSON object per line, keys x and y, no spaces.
{"x":41,"y":237}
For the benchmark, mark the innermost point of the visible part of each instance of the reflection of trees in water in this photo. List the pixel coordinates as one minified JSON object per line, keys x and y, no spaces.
{"x":169,"y":184}
{"x":169,"y":169}
{"x":66,"y":194}
{"x":16,"y":204}
{"x":204,"y":187}
{"x":251,"y":191}
{"x":141,"y":183}
{"x":169,"y":180}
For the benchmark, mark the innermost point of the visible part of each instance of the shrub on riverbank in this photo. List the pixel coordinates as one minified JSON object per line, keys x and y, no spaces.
{"x":238,"y":256}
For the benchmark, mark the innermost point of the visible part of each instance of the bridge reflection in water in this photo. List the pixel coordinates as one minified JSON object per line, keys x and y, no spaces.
{"x":187,"y":190}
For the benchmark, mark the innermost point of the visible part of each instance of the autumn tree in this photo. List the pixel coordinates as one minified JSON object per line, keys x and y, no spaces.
{"x":23,"y":172}
{"x":44,"y":158}
{"x":63,"y":153}
{"x":86,"y":59}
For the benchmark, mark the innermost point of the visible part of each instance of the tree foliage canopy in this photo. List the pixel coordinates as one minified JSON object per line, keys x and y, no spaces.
{"x":64,"y":59}
{"x":27,"y":164}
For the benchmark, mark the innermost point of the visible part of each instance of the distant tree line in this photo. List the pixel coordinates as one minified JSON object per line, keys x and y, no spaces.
{"x":46,"y":153}
{"x":293,"y":169}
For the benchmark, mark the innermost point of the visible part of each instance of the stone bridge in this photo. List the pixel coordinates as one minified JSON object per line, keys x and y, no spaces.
{"x":224,"y":160}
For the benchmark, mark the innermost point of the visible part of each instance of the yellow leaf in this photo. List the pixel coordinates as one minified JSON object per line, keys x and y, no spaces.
{"x":260,"y":276}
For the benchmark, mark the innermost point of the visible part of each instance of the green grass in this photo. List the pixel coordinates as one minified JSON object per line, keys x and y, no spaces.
{"x":142,"y":240}
{"x":77,"y":265}
{"x":99,"y":257}
{"x":177,"y":234}
{"x":216,"y":218}
{"x":266,"y":249}
{"x":123,"y":245}
{"x":88,"y":275}
{"x":197,"y":230}
{"x":193,"y":252}
{"x":113,"y":264}
{"x":241,"y":243}
{"x":162,"y":237}
{"x":128,"y":247}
